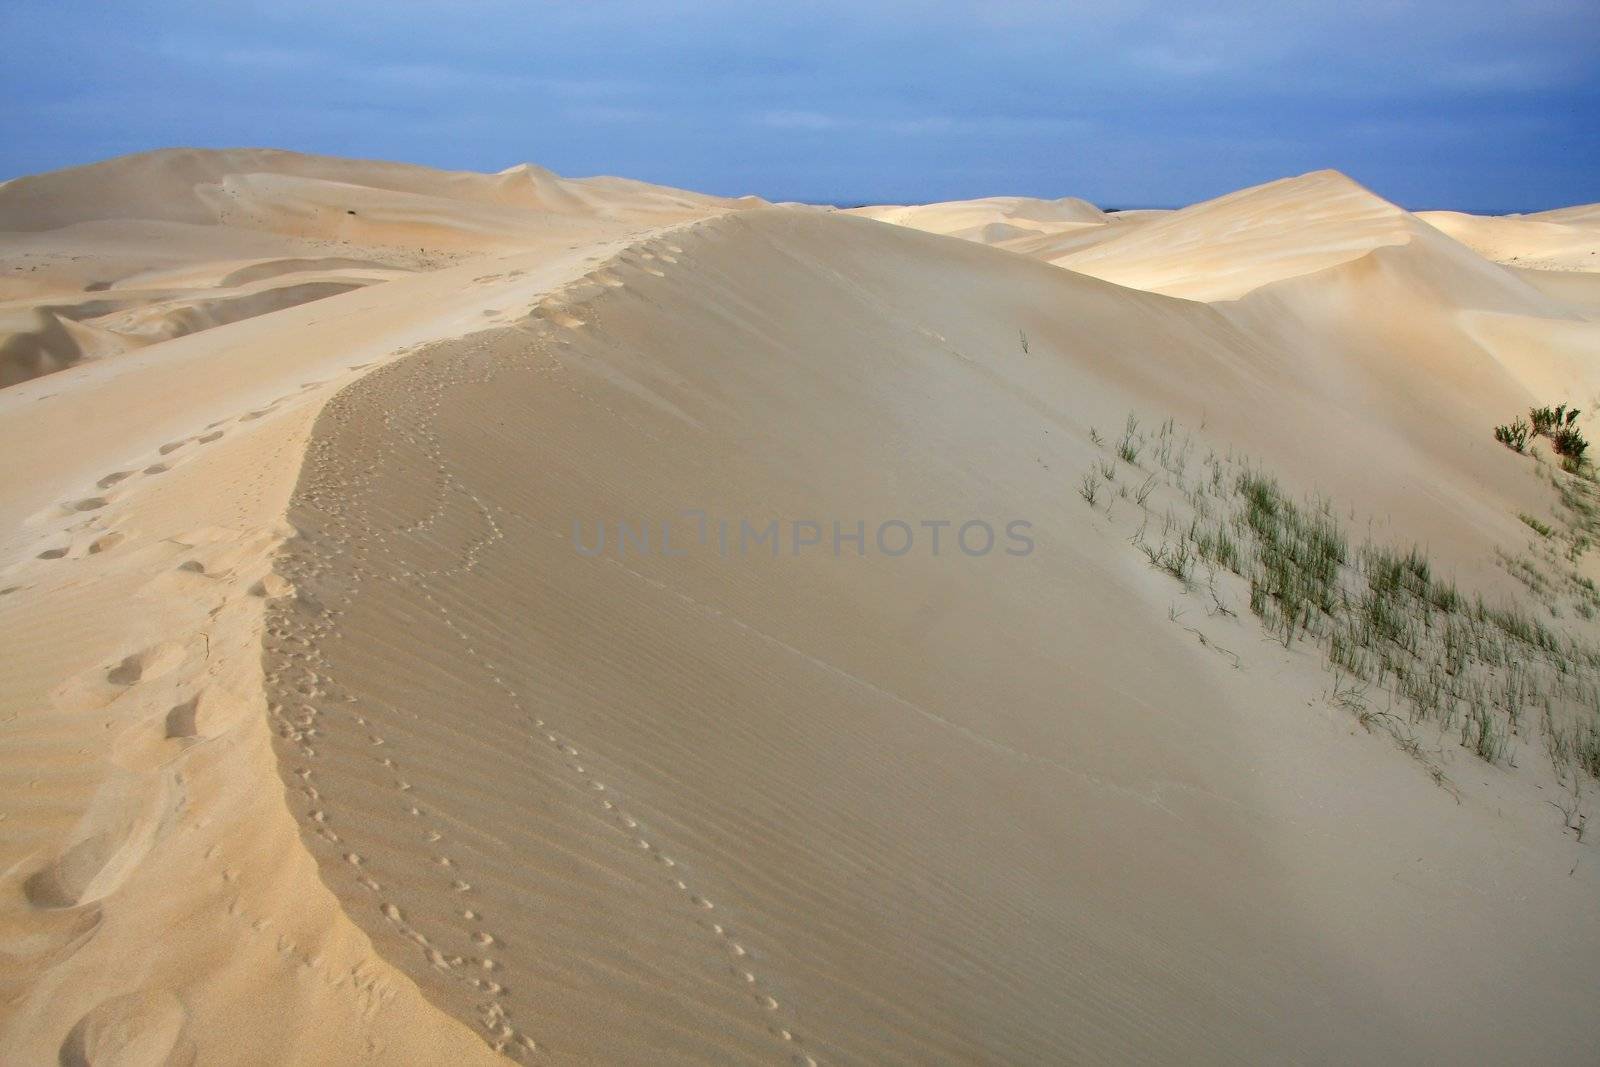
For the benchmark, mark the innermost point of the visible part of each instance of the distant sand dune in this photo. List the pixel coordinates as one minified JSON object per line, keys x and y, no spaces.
{"x":71,"y":229}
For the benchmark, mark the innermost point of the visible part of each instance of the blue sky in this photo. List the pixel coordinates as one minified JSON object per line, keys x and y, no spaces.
{"x":1463,"y":104}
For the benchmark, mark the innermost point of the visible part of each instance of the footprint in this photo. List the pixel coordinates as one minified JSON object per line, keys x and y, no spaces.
{"x":156,"y":468}
{"x":53,"y":553}
{"x":171,"y":447}
{"x":208,"y":438}
{"x":208,"y":713}
{"x":271,"y":587}
{"x":118,"y":831}
{"x":93,"y":503}
{"x":153,"y":662}
{"x":106,"y":543}
{"x":33,"y":941}
{"x":113,"y":478}
{"x":136,"y":1028}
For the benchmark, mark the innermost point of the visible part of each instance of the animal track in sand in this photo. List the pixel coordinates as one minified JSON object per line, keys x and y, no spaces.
{"x":459,"y":966}
{"x":113,"y":478}
{"x":300,"y":627}
{"x":570,"y":753}
{"x":93,"y":503}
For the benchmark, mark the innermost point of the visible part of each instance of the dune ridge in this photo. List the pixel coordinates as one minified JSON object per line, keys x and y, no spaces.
{"x":210,"y":867}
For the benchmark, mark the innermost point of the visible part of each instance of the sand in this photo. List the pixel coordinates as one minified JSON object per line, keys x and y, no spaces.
{"x":324,"y":743}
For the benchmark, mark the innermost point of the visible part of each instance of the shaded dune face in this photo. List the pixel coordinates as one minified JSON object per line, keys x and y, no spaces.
{"x":638,"y":808}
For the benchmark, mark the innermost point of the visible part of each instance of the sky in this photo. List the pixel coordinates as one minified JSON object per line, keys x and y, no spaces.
{"x":1466,"y":104}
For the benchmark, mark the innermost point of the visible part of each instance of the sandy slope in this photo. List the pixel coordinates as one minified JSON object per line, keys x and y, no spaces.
{"x":325,"y":744}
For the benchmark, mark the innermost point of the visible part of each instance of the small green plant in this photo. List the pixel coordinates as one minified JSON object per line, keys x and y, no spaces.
{"x":1540,"y":528}
{"x":1569,"y":444}
{"x":1484,"y":736}
{"x":1546,"y":421}
{"x":1513,"y":435}
{"x":1176,"y":559}
{"x":1128,"y":448}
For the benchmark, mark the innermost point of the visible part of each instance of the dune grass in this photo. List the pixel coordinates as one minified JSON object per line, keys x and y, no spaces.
{"x":1391,"y":628}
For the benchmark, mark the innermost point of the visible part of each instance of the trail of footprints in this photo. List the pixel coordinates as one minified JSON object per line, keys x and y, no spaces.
{"x":63,"y":895}
{"x":303,"y":680}
{"x":298,"y":725}
{"x":114,"y":484}
{"x":120,"y":829}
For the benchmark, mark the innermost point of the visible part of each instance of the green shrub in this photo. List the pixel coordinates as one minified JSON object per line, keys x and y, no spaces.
{"x":1569,"y":443}
{"x":1547,"y":421}
{"x":1513,"y":435}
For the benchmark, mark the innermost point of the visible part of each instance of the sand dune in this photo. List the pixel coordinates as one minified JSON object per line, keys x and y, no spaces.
{"x":195,"y":219}
{"x":1557,"y":241}
{"x":326,"y":743}
{"x":992,"y":219}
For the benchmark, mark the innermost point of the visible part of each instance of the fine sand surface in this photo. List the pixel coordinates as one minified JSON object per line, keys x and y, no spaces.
{"x":324,"y":742}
